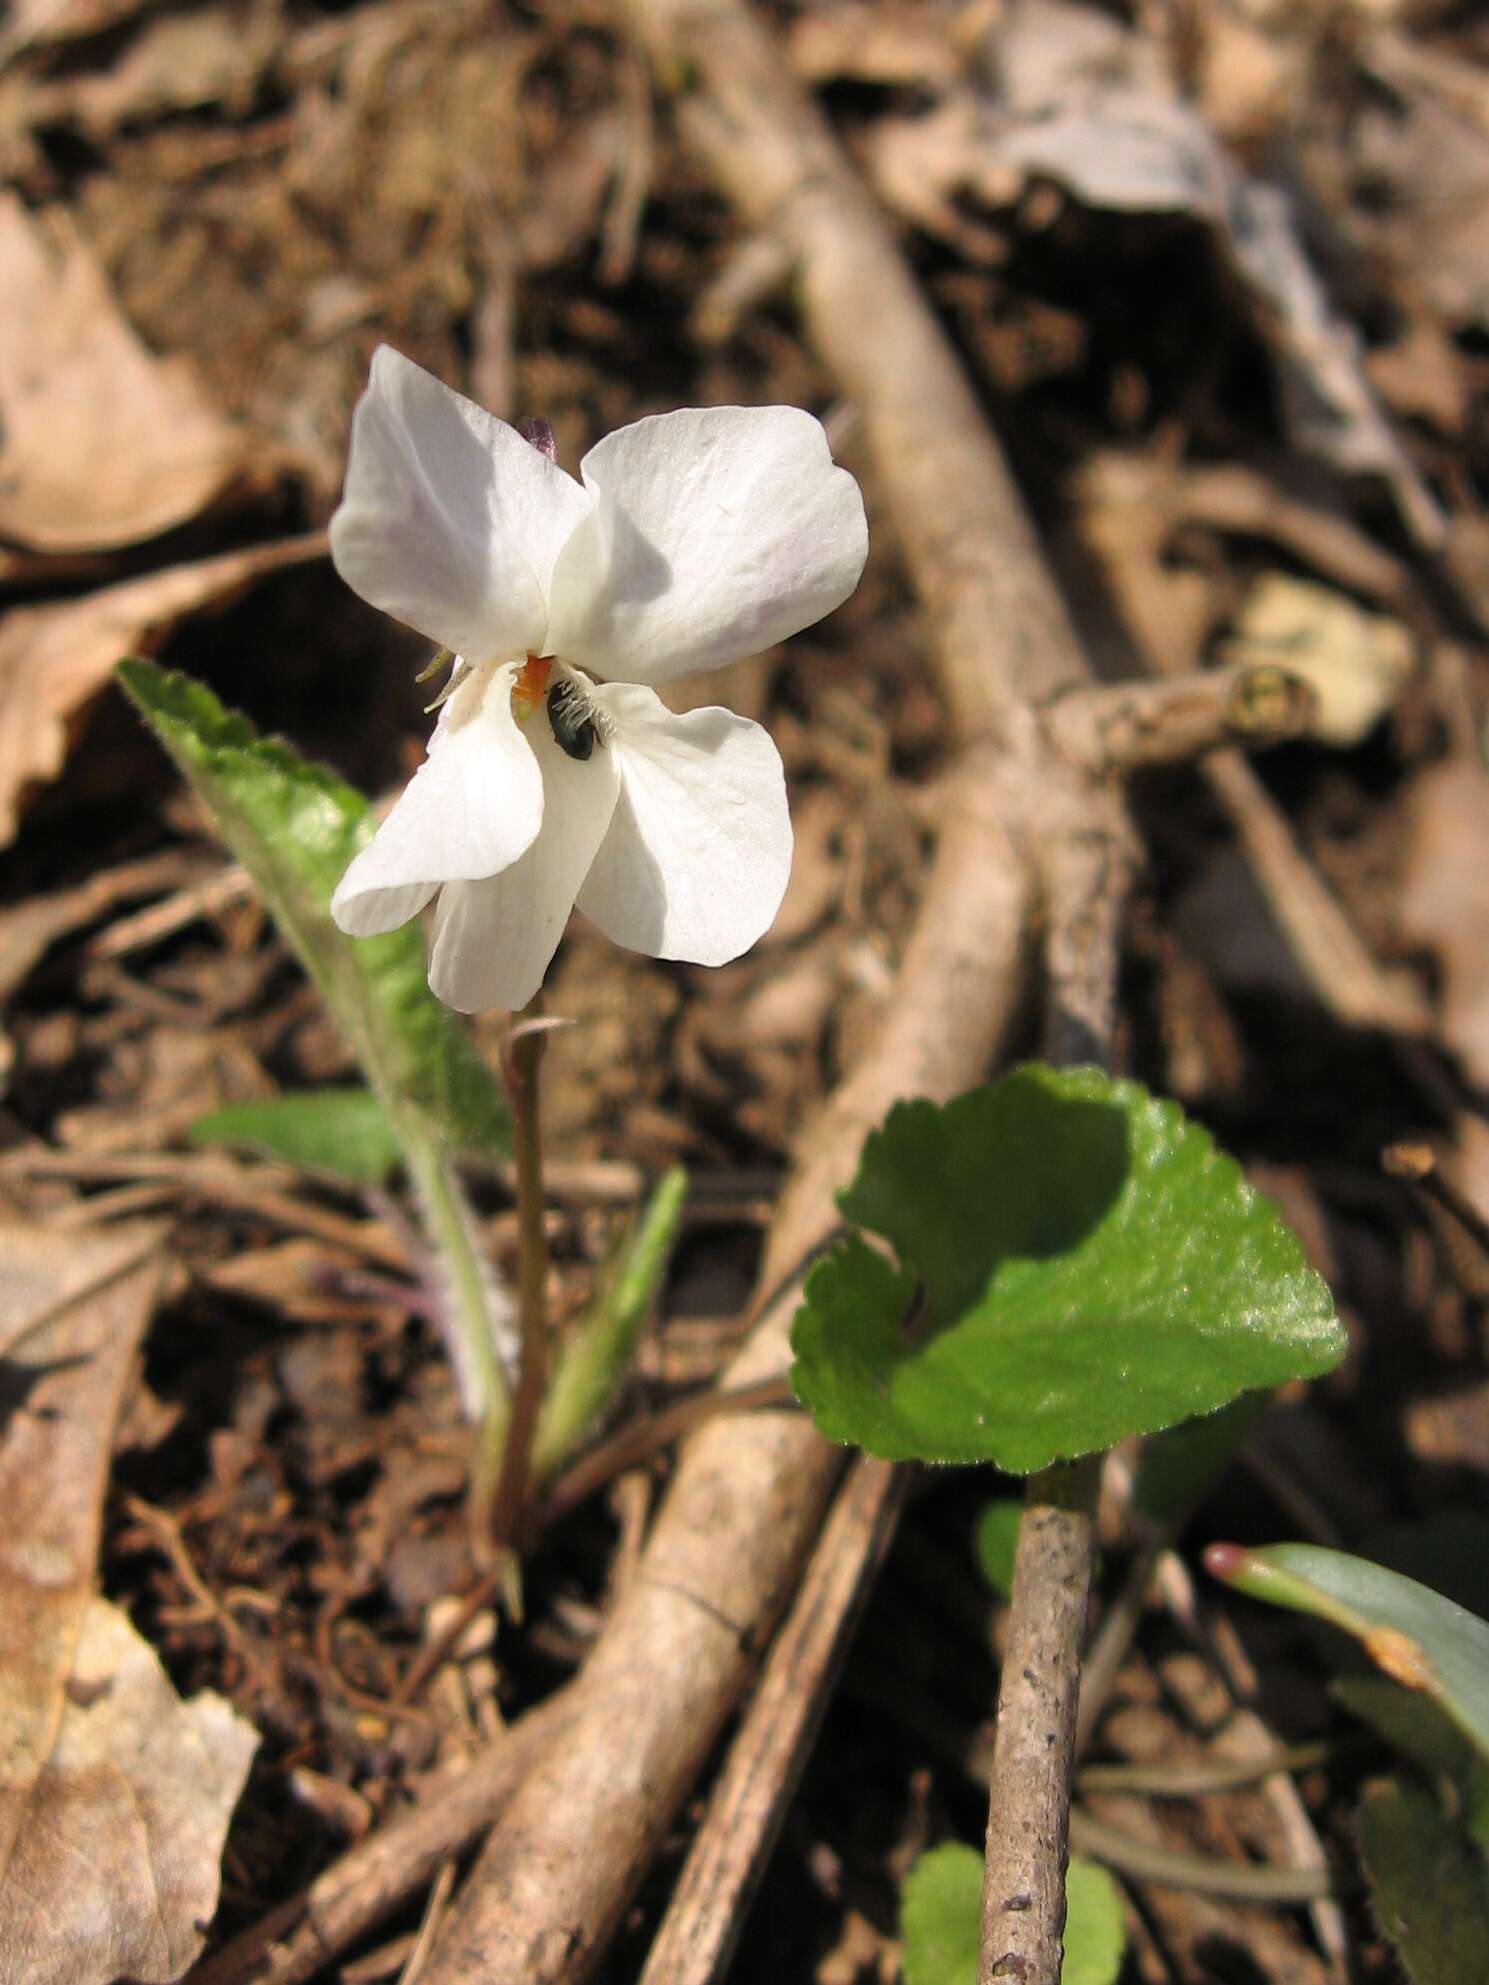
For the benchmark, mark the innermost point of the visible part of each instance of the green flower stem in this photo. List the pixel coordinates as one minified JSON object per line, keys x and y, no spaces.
{"x":467,"y":1299}
{"x":521,"y":1058}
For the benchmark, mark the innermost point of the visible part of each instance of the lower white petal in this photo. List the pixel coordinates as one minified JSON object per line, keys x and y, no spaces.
{"x":472,"y":808}
{"x":493,"y":939}
{"x":699,"y":849}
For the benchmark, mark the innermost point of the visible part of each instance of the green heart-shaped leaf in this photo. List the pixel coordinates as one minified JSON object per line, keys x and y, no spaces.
{"x":1076,"y":1262}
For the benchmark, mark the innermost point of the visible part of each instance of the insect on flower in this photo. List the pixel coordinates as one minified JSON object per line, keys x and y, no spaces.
{"x":574,"y":728}
{"x":556,"y":774}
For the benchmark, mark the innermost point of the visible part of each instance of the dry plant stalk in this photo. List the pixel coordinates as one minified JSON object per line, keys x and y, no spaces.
{"x":675,"y":1656}
{"x":1023,"y":1895}
{"x":729,"y":1852}
{"x":372,"y":1879}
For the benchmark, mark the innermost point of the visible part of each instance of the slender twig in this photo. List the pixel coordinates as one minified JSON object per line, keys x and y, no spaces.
{"x":1115,"y":728}
{"x":727,"y":1859}
{"x":641,"y":1439}
{"x":1118,"y":1629}
{"x":489,"y":1586}
{"x":1023,"y":1895}
{"x":1417,"y":1164}
{"x":434,"y":1909}
{"x":1087,"y":872}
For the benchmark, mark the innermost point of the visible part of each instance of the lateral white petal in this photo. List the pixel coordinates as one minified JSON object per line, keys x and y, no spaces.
{"x":472,"y":809}
{"x":699,"y":849}
{"x":493,"y":939}
{"x":450,"y":521}
{"x":714,"y":532}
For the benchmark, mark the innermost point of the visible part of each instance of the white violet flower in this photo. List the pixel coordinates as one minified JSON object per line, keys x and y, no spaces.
{"x":556,"y":774}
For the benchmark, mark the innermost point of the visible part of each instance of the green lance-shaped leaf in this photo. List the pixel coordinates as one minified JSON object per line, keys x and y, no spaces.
{"x":295,"y":826}
{"x":1076,"y":1262}
{"x":1412,"y":1633}
{"x":603,"y":1345}
{"x":344,"y":1132}
{"x":941,"y":1912}
{"x":1429,"y":1886}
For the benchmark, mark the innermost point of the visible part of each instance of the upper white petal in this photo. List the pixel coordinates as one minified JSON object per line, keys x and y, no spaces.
{"x":450,"y":521}
{"x":493,"y":939}
{"x":714,"y":532}
{"x":472,"y":808}
{"x":699,"y":850}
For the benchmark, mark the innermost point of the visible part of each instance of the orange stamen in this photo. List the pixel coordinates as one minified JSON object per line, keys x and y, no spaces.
{"x":531,"y":686}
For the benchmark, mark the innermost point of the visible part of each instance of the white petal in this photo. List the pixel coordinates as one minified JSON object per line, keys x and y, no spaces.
{"x":715,"y":531}
{"x":472,"y":808}
{"x":697,"y":857}
{"x":450,"y":521}
{"x":493,"y":939}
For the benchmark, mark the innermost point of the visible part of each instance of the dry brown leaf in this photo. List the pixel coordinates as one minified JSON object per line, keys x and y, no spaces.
{"x":54,"y":658}
{"x":176,"y":62}
{"x":118,"y":1863}
{"x":114,"y":1797}
{"x":28,"y":929}
{"x":73,"y":1308}
{"x":103,"y":443}
{"x":43,"y":23}
{"x":1422,"y":148}
{"x":1445,"y":900}
{"x":879,"y":44}
{"x":1088,"y":104}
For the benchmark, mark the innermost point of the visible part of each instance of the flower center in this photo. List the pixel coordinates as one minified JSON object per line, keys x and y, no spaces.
{"x":531,"y":686}
{"x":577,"y":725}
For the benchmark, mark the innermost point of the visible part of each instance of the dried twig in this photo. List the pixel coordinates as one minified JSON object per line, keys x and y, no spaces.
{"x":390,"y":1865}
{"x":1129,"y":726}
{"x":218,"y":1181}
{"x":1023,"y":1895}
{"x":767,"y":1758}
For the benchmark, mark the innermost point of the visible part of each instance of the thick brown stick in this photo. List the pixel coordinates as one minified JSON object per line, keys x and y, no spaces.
{"x":566,"y":1858}
{"x":767,"y":1758}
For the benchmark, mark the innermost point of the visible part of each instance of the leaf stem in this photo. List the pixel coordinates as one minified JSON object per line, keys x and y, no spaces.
{"x":522,"y":1055}
{"x":1023,"y":1898}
